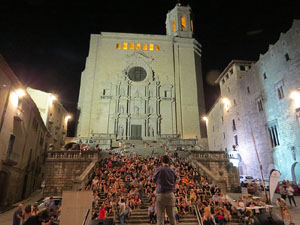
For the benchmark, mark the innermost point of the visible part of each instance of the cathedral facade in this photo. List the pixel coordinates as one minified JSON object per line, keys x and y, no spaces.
{"x":139,"y":86}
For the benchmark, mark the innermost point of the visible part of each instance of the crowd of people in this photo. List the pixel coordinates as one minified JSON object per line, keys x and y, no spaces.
{"x":122,"y":184}
{"x":31,"y":215}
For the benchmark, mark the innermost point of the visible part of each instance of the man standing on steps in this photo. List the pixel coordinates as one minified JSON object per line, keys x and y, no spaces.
{"x":165,"y":178}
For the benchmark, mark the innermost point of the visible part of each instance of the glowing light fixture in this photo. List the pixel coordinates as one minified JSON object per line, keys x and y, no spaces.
{"x":226,"y":103}
{"x":52,"y":98}
{"x":205,"y":119}
{"x":295,"y":95}
{"x":67,"y":118}
{"x":14,"y":99}
{"x":20,"y":93}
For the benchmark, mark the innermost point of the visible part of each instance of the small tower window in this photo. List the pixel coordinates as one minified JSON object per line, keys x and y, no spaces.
{"x":173,"y":25}
{"x":138,"y":46}
{"x":118,"y":46}
{"x":131,"y":46}
{"x":157,"y":47}
{"x":265,"y":76}
{"x":145,"y":47}
{"x":287,"y":57}
{"x":151,"y":47}
{"x":183,"y":23}
{"x":192,"y":26}
{"x":125,"y":46}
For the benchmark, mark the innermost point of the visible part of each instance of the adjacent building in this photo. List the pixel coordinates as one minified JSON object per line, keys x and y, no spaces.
{"x":259,"y":107}
{"x":140,"y":86}
{"x":54,"y":115}
{"x":22,"y":140}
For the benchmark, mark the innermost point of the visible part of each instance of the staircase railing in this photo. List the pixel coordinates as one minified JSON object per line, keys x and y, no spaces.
{"x":198,"y":215}
{"x":86,"y":217}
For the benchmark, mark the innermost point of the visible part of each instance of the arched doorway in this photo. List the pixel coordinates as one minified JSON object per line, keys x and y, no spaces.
{"x":296,"y":171}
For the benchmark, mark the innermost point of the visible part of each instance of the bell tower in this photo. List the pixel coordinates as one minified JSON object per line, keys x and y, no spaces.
{"x":179,"y":22}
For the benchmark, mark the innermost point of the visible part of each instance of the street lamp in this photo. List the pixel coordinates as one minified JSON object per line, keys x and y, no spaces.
{"x":67,"y":118}
{"x":226,"y":103}
{"x":205,"y":119}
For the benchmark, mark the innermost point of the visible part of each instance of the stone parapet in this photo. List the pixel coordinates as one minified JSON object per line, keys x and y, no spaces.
{"x":68,"y":170}
{"x":216,"y":166}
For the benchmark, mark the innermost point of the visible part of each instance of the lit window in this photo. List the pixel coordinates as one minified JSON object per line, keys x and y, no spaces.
{"x":183,"y":23}
{"x":138,"y":46}
{"x":131,"y":46}
{"x":151,"y":47}
{"x":118,"y":46}
{"x":157,"y":47}
{"x":173,"y":25}
{"x":125,"y":46}
{"x":145,"y":47}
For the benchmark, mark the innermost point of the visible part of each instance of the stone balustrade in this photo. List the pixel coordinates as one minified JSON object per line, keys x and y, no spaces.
{"x":72,"y":154}
{"x":209,"y":155}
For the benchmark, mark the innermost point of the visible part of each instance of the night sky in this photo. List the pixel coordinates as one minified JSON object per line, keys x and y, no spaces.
{"x":46,"y":41}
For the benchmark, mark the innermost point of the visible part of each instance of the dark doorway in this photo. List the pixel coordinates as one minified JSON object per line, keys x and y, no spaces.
{"x":136,"y":132}
{"x":3,"y":185}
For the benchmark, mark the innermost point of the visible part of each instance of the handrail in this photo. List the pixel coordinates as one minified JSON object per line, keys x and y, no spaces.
{"x":86,"y":217}
{"x":198,"y":215}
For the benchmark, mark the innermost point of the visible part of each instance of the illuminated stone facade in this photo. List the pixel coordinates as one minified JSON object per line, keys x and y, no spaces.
{"x":22,"y":140}
{"x":138,"y":86}
{"x":261,"y":99}
{"x":54,"y":115}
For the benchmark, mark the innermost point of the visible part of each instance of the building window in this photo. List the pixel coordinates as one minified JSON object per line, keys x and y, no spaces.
{"x":138,"y":46}
{"x":213,"y":128}
{"x":231,"y":71}
{"x":118,"y":46}
{"x":223,"y":81}
{"x":125,"y":46}
{"x":157,"y":47}
{"x":234,"y":102}
{"x":166,"y":94}
{"x":173,"y":25}
{"x":224,"y":135}
{"x":222,"y":119}
{"x":260,"y":105}
{"x":151,"y":47}
{"x":183,"y":23}
{"x":280,"y":92}
{"x":265,"y":76}
{"x":242,"y":68}
{"x":287,"y":57}
{"x":137,"y":74}
{"x":10,"y":145}
{"x":227,"y":76}
{"x":248,"y":90}
{"x":228,"y":89}
{"x":131,"y":46}
{"x":192,"y":25}
{"x":233,"y":125}
{"x":273,"y":135}
{"x":145,"y":47}
{"x":236,"y":140}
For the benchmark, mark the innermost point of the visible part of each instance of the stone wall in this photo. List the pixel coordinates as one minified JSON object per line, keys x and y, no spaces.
{"x":216,"y":166}
{"x":64,"y":168}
